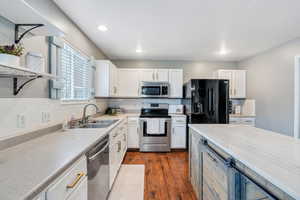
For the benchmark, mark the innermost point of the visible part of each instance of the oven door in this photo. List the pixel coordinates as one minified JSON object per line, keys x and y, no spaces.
{"x":150,"y":91}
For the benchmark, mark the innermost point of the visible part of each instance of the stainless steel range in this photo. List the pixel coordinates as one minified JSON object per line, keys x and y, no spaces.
{"x":155,"y":128}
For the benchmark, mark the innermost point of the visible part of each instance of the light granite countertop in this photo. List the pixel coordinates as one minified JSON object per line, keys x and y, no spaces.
{"x":28,"y":168}
{"x":271,"y":155}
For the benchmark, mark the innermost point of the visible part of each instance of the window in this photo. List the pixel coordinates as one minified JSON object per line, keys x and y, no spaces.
{"x":76,"y":71}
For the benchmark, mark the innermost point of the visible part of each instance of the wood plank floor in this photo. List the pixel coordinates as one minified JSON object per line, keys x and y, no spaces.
{"x":166,"y":175}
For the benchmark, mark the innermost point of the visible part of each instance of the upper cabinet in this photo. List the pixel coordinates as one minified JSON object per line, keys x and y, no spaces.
{"x":106,"y":79}
{"x":111,"y":81}
{"x":128,"y":84}
{"x":160,"y":75}
{"x":176,"y":82}
{"x":237,"y":82}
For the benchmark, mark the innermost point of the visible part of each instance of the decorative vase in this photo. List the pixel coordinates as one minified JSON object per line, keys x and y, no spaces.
{"x":10,"y":60}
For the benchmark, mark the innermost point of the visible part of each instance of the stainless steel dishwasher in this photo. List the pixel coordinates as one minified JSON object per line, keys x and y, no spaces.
{"x":98,"y":170}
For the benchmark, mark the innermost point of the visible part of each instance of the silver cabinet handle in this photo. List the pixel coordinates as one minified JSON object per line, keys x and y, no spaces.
{"x":157,"y":76}
{"x":153,"y":77}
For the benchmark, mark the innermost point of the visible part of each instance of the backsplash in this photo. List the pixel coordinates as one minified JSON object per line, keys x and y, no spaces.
{"x":33,"y":111}
{"x":134,"y":105}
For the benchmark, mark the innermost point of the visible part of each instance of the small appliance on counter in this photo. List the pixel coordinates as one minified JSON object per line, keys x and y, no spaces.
{"x":113,"y":111}
{"x":155,"y":128}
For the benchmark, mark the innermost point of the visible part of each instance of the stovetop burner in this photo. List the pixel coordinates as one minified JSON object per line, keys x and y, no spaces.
{"x":155,"y":111}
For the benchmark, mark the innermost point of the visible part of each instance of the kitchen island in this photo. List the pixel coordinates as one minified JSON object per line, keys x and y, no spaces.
{"x":270,"y":161}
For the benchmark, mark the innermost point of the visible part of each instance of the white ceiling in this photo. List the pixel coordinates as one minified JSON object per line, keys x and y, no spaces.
{"x":186,"y":29}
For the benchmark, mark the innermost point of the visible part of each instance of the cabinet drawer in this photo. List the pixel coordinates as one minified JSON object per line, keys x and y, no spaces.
{"x":68,"y":182}
{"x":179,"y":119}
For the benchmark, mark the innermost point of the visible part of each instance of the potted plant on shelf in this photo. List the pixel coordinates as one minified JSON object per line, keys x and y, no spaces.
{"x":10,"y":54}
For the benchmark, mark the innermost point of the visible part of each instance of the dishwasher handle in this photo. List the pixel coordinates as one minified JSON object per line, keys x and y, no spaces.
{"x":93,"y":157}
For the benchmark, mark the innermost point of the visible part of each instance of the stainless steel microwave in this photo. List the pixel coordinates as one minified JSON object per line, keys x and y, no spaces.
{"x":154,"y":89}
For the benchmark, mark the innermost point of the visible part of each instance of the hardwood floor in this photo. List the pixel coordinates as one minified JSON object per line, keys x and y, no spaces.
{"x":166,"y":175}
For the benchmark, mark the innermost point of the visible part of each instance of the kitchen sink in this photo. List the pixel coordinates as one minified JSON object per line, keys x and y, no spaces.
{"x":99,"y":124}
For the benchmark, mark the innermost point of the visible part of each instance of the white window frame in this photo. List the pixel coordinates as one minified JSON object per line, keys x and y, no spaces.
{"x":75,"y":100}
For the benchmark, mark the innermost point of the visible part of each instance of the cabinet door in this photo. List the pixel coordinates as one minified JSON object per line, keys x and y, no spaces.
{"x":239,"y":90}
{"x":178,"y":138}
{"x":215,"y":178}
{"x":128,"y":85}
{"x":113,"y":80}
{"x":81,"y":192}
{"x":133,"y":136}
{"x":176,"y":83}
{"x":195,"y":163}
{"x":162,"y":75}
{"x":229,"y":75}
{"x":147,"y":75}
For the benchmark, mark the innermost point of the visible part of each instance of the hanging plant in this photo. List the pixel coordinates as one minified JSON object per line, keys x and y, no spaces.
{"x":15,"y":49}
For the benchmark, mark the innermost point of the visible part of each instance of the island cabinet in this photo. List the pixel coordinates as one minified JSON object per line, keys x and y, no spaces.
{"x":195,"y":162}
{"x":216,"y":175}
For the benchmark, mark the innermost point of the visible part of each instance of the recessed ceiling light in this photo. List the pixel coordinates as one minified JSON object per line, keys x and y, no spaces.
{"x":139,"y":50}
{"x":102,"y":28}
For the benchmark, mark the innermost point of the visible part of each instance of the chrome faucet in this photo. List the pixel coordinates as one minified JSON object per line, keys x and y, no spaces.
{"x":84,"y":119}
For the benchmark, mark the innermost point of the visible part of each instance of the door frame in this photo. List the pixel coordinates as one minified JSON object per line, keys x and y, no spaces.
{"x":297,"y":97}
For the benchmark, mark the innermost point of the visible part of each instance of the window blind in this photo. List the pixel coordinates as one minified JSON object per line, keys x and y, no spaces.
{"x":76,"y":71}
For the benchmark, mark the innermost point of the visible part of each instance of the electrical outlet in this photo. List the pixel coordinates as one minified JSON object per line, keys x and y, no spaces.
{"x":21,"y":121}
{"x":46,"y":117}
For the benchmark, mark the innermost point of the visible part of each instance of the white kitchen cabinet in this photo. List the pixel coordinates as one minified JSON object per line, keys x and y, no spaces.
{"x":160,"y":75}
{"x":178,"y":136}
{"x":176,"y":82}
{"x":81,"y":192}
{"x":117,"y":150}
{"x":133,"y":132}
{"x":106,"y":79}
{"x":147,"y":75}
{"x":237,"y":82}
{"x":72,"y":181}
{"x":128,"y":84}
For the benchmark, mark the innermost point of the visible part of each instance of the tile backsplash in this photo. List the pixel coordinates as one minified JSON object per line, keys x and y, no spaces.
{"x":22,"y":115}
{"x":134,"y":105}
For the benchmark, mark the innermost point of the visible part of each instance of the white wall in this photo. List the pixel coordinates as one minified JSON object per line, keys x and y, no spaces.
{"x":33,"y":100}
{"x":270,"y":81}
{"x":191,"y":69}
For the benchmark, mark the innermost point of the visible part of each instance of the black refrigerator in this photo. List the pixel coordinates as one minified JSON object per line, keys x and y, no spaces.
{"x":206,"y":101}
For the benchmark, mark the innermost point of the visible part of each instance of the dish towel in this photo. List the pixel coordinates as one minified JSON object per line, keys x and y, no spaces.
{"x":155,"y":126}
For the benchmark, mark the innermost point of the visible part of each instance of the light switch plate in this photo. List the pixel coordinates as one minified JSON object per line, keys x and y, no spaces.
{"x":21,"y":121}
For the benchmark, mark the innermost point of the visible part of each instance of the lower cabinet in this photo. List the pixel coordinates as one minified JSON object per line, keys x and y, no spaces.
{"x":133,"y":132}
{"x":71,"y":185}
{"x":195,"y":161}
{"x":178,"y":133}
{"x":214,"y":178}
{"x":117,"y":150}
{"x":80,"y":193}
